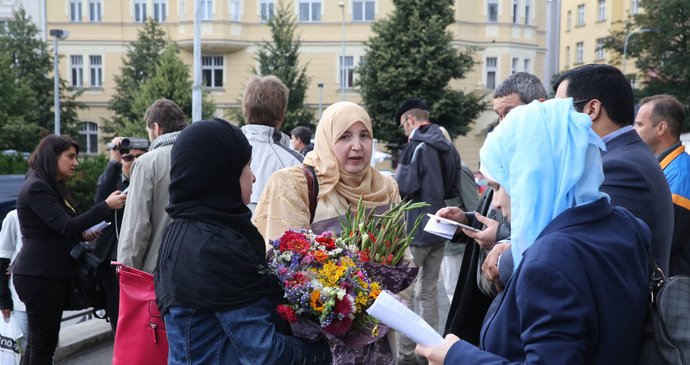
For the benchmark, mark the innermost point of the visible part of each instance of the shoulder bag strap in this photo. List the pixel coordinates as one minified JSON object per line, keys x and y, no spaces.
{"x":313,"y":186}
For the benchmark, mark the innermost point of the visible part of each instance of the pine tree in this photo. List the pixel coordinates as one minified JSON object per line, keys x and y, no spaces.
{"x":280,"y":58}
{"x":169,"y":79}
{"x":662,"y":55}
{"x":29,"y":74}
{"x":411,"y":55}
{"x":139,"y":65}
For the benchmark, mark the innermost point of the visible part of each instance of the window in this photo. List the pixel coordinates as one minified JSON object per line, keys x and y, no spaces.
{"x":88,"y":138}
{"x":310,"y":10}
{"x":516,"y":5}
{"x":527,"y":63}
{"x":569,"y":20}
{"x":491,"y":66}
{"x":579,"y":52}
{"x":206,"y":7}
{"x":212,"y":71}
{"x":567,"y":56}
{"x":363,"y":10}
{"x":492,"y":11}
{"x":599,"y":51}
{"x":75,"y":11}
{"x":139,"y":11}
{"x":581,"y":14}
{"x":266,"y":10}
{"x":96,"y":71}
{"x":235,"y":10}
{"x":635,"y":7}
{"x":527,"y":10}
{"x":95,"y":11}
{"x":160,"y":8}
{"x":515,"y":63}
{"x":601,"y":14}
{"x":347,"y":71}
{"x":77,"y":66}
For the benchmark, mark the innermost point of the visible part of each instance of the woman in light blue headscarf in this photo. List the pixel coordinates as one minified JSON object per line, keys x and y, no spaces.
{"x":578,"y":293}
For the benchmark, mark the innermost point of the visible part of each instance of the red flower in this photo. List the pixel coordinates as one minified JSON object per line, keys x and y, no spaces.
{"x":364,"y":255}
{"x":371,"y":236}
{"x":293,"y":241}
{"x":327,"y":241}
{"x":339,"y":328}
{"x":343,"y":307}
{"x":297,"y":280}
{"x":287,"y":313}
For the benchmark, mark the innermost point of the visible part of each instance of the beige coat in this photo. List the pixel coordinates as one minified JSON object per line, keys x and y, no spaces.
{"x":145,"y":217}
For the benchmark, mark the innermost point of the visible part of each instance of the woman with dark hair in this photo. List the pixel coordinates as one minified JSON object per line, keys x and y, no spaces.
{"x":50,"y":228}
{"x":212,"y":283}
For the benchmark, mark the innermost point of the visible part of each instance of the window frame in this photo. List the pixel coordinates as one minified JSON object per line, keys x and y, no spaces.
{"x":601,"y":10}
{"x":581,"y":15}
{"x":528,"y":9}
{"x":206,"y":7}
{"x":95,"y":14}
{"x":160,"y":10}
{"x":96,"y":71}
{"x":76,"y":70}
{"x":346,"y":71}
{"x":492,"y":4}
{"x":266,"y":10}
{"x":212,"y":67}
{"x":490,"y":69}
{"x":516,"y":11}
{"x":313,"y":17}
{"x":599,"y":51}
{"x":363,"y":4}
{"x":88,"y":134}
{"x":75,"y":11}
{"x":579,"y":52}
{"x":140,"y":11}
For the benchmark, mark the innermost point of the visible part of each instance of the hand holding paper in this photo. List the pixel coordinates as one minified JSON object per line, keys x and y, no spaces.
{"x":97,"y":227}
{"x":396,"y":315}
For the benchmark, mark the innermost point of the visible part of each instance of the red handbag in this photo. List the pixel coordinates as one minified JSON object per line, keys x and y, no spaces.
{"x":140,"y":338}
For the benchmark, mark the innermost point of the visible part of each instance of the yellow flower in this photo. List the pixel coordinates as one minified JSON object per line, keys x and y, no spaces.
{"x":315,"y":302}
{"x":331,"y":273}
{"x":375,"y":290}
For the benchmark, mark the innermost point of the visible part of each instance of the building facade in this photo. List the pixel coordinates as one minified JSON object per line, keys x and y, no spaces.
{"x":511,"y":36}
{"x":585,"y":24}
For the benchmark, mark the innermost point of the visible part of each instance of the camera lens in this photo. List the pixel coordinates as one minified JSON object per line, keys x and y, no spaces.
{"x":124,"y":143}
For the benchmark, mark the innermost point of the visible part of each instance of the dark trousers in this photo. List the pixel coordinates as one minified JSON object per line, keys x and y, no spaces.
{"x":111,"y":287}
{"x":44,"y":299}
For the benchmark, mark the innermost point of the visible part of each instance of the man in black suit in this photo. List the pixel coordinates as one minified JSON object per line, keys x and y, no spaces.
{"x":632,"y":176}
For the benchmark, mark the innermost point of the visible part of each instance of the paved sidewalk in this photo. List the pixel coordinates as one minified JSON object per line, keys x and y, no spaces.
{"x":81,"y":336}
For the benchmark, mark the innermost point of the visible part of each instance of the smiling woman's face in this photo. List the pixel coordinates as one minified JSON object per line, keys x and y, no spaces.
{"x":67,"y":163}
{"x":353,"y":148}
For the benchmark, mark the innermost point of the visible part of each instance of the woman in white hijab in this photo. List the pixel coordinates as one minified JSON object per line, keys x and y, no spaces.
{"x":578,"y":293}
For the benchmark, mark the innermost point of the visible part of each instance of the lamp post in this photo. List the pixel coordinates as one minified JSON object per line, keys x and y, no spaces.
{"x":625,"y":44}
{"x":343,"y":73}
{"x":320,"y":85}
{"x":57,"y":34}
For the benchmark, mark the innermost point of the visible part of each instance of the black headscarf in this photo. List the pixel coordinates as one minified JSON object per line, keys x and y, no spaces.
{"x":225,"y":267}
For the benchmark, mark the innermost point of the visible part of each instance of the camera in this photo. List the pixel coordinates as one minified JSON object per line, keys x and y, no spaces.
{"x":127,"y":144}
{"x":89,"y":262}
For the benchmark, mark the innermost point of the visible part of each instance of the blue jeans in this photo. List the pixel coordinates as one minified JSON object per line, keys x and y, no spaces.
{"x":240,"y":336}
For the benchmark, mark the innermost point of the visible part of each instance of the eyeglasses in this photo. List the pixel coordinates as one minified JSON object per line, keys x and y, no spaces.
{"x":129,"y":158}
{"x":577,"y":102}
{"x":402,"y":124}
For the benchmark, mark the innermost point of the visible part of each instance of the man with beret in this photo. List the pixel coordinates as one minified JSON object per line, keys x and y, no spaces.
{"x":426,"y":173}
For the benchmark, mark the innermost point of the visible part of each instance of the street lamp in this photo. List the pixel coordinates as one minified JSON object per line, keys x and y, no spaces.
{"x":57,"y":34}
{"x":320,"y":85}
{"x":627,"y":37}
{"x":343,"y":73}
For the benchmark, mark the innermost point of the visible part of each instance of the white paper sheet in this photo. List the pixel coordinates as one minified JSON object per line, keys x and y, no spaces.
{"x":97,"y":227}
{"x":439,"y":228}
{"x":397,"y":316}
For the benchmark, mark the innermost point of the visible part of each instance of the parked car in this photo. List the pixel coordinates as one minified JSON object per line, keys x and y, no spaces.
{"x":9,"y":188}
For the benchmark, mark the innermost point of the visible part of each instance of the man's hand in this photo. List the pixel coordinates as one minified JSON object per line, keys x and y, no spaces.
{"x":490,"y":266}
{"x":453,"y":213}
{"x":115,"y":154}
{"x":437,"y":354}
{"x":486,"y":237}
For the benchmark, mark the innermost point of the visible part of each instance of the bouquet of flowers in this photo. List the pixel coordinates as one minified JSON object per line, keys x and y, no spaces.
{"x":325,"y":284}
{"x":380,"y":238}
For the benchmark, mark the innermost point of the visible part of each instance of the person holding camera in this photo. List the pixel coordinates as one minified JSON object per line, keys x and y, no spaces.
{"x":51,"y":228}
{"x":115,"y":176}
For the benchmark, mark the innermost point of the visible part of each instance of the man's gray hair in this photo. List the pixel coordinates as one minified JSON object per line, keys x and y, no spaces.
{"x":526,"y":85}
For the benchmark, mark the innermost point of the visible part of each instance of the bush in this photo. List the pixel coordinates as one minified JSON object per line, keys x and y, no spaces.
{"x":13,"y":164}
{"x":83,"y":183}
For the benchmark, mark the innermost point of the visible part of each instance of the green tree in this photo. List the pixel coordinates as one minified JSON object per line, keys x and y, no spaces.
{"x":411,"y":55}
{"x":663,"y":54}
{"x":280,"y":57}
{"x":27,"y":83}
{"x":170,"y":79}
{"x":137,"y":67}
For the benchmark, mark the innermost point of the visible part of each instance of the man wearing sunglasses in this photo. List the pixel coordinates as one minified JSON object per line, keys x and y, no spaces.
{"x":115,"y":176}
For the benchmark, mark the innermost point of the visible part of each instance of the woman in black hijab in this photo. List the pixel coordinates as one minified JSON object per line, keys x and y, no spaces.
{"x":212,"y":281}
